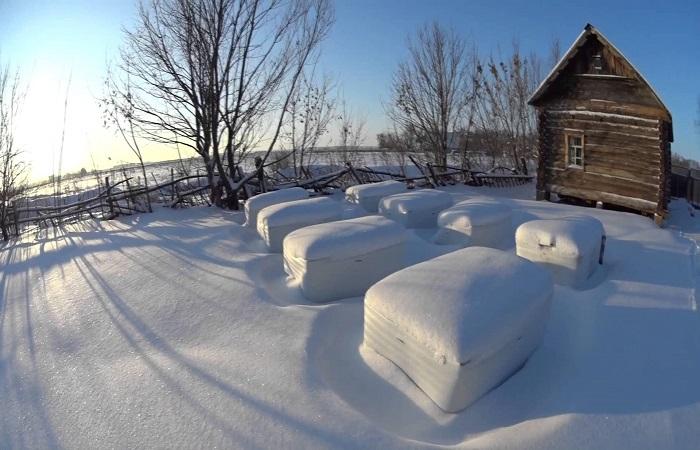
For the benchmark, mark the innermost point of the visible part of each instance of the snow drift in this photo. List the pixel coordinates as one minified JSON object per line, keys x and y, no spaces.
{"x":277,"y":221}
{"x":459,"y":324}
{"x":416,"y":209}
{"x":343,"y":259}
{"x":570,"y":248}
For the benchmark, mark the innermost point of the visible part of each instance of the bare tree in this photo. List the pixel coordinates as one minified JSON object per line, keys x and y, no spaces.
{"x":351,"y":133}
{"x":217,"y":76}
{"x":503,"y":88}
{"x":119,"y":115}
{"x":13,"y":171}
{"x":430,"y":90}
{"x":310,"y":114}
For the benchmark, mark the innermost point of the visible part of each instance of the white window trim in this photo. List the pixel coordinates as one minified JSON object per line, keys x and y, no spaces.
{"x":580,"y":134}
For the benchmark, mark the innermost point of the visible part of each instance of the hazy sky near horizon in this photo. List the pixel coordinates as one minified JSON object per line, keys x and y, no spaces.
{"x":62,"y":48}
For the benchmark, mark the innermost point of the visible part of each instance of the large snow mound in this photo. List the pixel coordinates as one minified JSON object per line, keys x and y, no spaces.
{"x":461,"y":323}
{"x":277,"y":221}
{"x":571,"y":248}
{"x":369,"y":195}
{"x":255,"y":204}
{"x":477,"y":222}
{"x":416,"y":209}
{"x":342,"y":259}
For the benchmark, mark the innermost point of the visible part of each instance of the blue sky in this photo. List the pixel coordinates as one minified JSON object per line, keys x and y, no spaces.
{"x":53,"y":41}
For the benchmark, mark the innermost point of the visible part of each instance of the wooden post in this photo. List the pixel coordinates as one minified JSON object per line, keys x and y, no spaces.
{"x":109,"y":198}
{"x":16,"y":217}
{"x":352,"y":171}
{"x":420,"y":169}
{"x":261,"y":173}
{"x":172,"y":186}
{"x":436,"y":181}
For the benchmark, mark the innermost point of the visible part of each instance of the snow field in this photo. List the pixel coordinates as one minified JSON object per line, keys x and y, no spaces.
{"x":571,"y":247}
{"x":176,"y":330}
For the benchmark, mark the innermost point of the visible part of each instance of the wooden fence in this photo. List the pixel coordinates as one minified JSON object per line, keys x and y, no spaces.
{"x":116,"y":198}
{"x":685,"y":183}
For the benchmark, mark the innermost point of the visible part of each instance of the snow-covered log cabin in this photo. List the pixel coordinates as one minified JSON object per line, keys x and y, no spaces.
{"x":604,"y":134}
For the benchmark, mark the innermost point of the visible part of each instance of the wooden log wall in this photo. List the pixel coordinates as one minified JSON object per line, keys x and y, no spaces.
{"x":622,"y":156}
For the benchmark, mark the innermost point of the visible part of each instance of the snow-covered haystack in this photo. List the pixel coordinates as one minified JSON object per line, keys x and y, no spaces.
{"x":459,"y":324}
{"x":369,"y":195}
{"x":416,"y":209}
{"x":571,"y":248}
{"x":343,"y":259}
{"x":485,"y":223}
{"x":255,"y":204}
{"x":277,"y":221}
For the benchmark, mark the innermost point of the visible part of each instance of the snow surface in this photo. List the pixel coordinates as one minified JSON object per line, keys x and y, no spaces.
{"x":369,"y":195}
{"x":465,"y":305}
{"x":343,"y":259}
{"x":479,"y":222}
{"x":277,"y":221}
{"x":255,"y":204}
{"x":177,"y":329}
{"x":415,"y":209}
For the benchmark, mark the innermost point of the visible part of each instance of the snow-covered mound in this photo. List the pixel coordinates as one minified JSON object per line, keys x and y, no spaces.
{"x":369,"y":195}
{"x":571,"y":248}
{"x":459,"y":324}
{"x":342,"y":259}
{"x":415,"y":209}
{"x":255,"y":204}
{"x":485,"y":223}
{"x":277,"y":221}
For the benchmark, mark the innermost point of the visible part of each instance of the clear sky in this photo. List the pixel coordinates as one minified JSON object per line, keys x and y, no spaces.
{"x":54,"y":41}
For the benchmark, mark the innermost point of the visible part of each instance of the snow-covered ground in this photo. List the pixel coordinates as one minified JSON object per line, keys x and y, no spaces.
{"x":177,"y":329}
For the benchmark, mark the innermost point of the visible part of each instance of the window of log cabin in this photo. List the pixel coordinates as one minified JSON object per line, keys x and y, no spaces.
{"x":574,"y":150}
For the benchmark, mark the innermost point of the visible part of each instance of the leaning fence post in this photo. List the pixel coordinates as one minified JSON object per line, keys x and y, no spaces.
{"x":260,"y":173}
{"x":16,"y":217}
{"x":109,"y":198}
{"x":172,"y":185}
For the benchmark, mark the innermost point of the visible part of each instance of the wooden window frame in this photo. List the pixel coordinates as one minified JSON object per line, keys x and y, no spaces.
{"x":567,"y":136}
